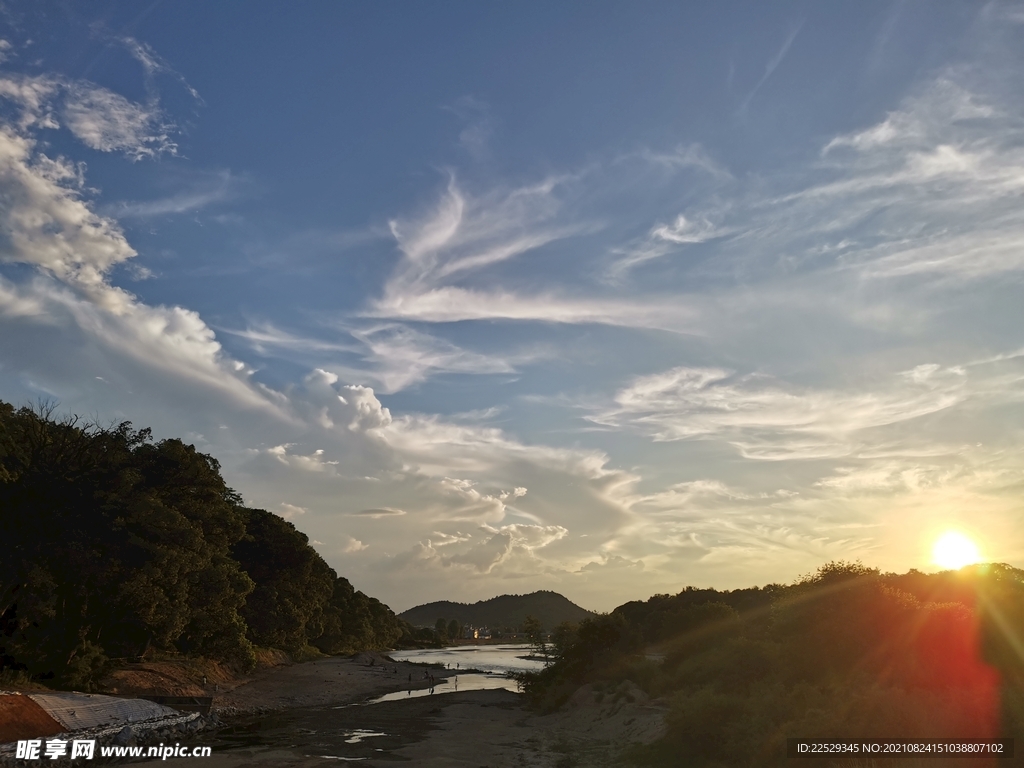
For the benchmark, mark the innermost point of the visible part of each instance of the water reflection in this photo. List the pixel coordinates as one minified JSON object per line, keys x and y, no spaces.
{"x":464,"y":682}
{"x":486,"y":658}
{"x":359,"y":734}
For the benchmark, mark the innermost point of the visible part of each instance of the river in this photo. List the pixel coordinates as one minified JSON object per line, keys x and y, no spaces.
{"x":373,"y":734}
{"x":489,"y":665}
{"x":498,"y":659}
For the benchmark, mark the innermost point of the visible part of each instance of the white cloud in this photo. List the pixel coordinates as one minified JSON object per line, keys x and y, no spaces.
{"x":401,"y":356}
{"x":13,"y":303}
{"x":353,"y":545}
{"x":376,"y":512}
{"x":290,"y":511}
{"x":663,"y":239}
{"x":47,"y":222}
{"x":684,"y":230}
{"x":441,"y":539}
{"x":108,"y":122}
{"x":465,"y":235}
{"x":768,"y":420}
{"x":98,"y":117}
{"x":685,"y":157}
{"x":771,"y":66}
{"x":205,"y":191}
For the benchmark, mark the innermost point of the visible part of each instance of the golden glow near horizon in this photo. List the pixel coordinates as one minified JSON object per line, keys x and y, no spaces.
{"x":953,"y":551}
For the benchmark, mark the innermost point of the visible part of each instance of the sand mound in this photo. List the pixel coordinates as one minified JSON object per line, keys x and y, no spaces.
{"x":623,"y":713}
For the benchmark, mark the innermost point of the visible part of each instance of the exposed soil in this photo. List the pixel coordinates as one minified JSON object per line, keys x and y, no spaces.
{"x":185,"y":677}
{"x":22,"y":718}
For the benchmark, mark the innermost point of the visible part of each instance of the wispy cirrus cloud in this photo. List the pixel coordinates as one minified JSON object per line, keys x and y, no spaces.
{"x":770,"y":67}
{"x":377,"y":512}
{"x":929,"y":191}
{"x":765,"y":419}
{"x":664,"y":239}
{"x":203,"y":192}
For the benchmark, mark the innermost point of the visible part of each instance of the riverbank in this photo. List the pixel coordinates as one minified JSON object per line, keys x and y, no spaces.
{"x":330,"y":681}
{"x":311,"y":715}
{"x":296,"y":715}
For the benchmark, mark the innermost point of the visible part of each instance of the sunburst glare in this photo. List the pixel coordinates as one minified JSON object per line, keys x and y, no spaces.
{"x":953,"y":551}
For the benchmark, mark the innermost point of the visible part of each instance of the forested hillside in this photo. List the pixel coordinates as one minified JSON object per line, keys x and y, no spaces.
{"x":499,"y":613}
{"x":846,"y":652}
{"x":115,"y":546}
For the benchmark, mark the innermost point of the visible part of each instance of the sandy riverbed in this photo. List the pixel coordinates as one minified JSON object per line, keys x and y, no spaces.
{"x":302,"y":715}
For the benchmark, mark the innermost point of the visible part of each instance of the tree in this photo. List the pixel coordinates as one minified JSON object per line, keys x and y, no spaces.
{"x":114,"y":545}
{"x":352,"y":621}
{"x":293,"y":584}
{"x":454,"y":629}
{"x":534,"y":632}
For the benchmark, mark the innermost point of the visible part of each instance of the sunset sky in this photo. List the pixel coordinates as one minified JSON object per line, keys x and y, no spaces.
{"x":607,"y":298}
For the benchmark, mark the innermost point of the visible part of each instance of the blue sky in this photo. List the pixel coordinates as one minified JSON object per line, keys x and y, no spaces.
{"x":606,"y":298}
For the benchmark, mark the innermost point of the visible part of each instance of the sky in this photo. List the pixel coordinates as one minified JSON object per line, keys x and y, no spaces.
{"x":605,"y":298}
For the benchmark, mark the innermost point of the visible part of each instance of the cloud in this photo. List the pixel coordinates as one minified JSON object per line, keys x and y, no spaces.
{"x":464,"y":236}
{"x":108,"y":122}
{"x":612,"y":563}
{"x":478,"y":125}
{"x":377,"y":512}
{"x":13,"y":303}
{"x":213,"y":188}
{"x":765,"y":419}
{"x":351,"y":406}
{"x":501,"y":546}
{"x":487,"y":554}
{"x":400,"y":356}
{"x":928,"y":192}
{"x":771,"y":66}
{"x":153,"y":64}
{"x":98,"y":117}
{"x":440,"y":539}
{"x":47,"y":222}
{"x":921,"y":122}
{"x":49,"y":225}
{"x":353,"y":545}
{"x":290,"y":511}
{"x":663,"y":239}
{"x":688,"y":156}
{"x":393,"y":356}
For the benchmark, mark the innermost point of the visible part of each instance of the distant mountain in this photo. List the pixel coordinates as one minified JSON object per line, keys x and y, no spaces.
{"x":500,"y":612}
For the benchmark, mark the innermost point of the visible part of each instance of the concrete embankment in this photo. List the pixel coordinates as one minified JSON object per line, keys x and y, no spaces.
{"x":106,"y":719}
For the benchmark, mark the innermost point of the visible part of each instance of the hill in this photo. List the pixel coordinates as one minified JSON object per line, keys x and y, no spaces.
{"x":117,"y":547}
{"x":500,"y":612}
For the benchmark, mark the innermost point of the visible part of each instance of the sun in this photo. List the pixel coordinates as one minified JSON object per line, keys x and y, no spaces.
{"x":954,"y":550}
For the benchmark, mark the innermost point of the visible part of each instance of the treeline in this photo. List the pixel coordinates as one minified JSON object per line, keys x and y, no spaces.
{"x":846,"y":652}
{"x":115,"y":546}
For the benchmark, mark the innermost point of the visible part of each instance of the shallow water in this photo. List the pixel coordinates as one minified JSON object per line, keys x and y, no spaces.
{"x":356,"y":732}
{"x":352,"y":733}
{"x":487,"y":658}
{"x":463,"y":682}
